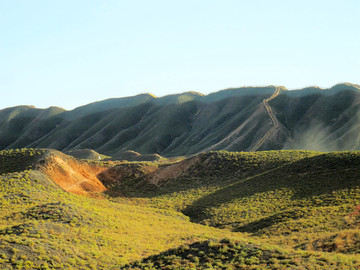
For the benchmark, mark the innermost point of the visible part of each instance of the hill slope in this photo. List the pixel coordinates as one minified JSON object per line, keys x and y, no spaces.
{"x":188,"y":123}
{"x":272,"y":198}
{"x":289,"y":197}
{"x":42,"y":226}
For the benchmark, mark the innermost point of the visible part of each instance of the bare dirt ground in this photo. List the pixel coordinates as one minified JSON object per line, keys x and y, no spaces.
{"x":74,"y":176}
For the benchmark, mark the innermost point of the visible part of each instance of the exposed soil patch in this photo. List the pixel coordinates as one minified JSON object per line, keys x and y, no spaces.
{"x":143,"y":174}
{"x":125,"y":172}
{"x":73,"y":175}
{"x":172,"y":171}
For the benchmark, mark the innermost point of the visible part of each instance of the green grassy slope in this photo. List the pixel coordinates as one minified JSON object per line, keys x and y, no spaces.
{"x":42,"y":226}
{"x":227,"y":254}
{"x":296,"y":199}
{"x":289,"y":197}
{"x":17,"y":160}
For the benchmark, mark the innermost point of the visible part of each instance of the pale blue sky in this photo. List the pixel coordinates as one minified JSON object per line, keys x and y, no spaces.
{"x":70,"y":53}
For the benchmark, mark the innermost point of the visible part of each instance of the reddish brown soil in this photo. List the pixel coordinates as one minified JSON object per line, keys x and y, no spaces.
{"x":86,"y":179}
{"x":73,"y":175}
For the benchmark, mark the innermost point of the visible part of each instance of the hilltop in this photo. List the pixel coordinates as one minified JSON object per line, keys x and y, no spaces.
{"x":239,"y":119}
{"x":86,"y":154}
{"x":267,"y":209}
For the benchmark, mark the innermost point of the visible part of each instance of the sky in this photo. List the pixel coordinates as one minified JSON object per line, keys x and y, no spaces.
{"x":69,"y":53}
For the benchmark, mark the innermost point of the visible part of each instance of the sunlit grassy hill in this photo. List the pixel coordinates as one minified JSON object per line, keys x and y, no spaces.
{"x":42,"y":226}
{"x":229,"y":254}
{"x":272,"y":210}
{"x":287,"y":197}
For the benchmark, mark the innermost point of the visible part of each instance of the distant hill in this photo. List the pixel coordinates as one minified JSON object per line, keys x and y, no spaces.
{"x":239,"y":119}
{"x":135,"y":156}
{"x":86,"y":154}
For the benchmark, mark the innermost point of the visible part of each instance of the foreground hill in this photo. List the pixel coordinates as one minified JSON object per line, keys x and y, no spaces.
{"x":227,"y":254}
{"x":277,"y":209}
{"x":42,"y":226}
{"x":303,"y":199}
{"x":242,"y":119}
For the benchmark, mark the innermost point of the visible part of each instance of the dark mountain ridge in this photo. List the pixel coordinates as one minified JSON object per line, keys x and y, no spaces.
{"x":240,"y":119}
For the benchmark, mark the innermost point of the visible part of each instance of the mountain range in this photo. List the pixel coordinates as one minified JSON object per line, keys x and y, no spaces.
{"x":237,"y":119}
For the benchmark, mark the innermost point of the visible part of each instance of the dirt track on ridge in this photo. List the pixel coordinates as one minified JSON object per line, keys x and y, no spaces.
{"x":273,"y":119}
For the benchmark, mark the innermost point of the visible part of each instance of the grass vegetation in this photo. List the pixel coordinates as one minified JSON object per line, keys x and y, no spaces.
{"x":229,"y":254}
{"x":295,"y":198}
{"x":264,"y":210}
{"x":17,"y":160}
{"x":43,"y":227}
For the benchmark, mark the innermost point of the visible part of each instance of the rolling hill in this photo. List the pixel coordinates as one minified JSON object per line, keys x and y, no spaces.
{"x":199,"y":208}
{"x":222,"y":210}
{"x":303,"y":200}
{"x":53,"y":216}
{"x":233,"y":119}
